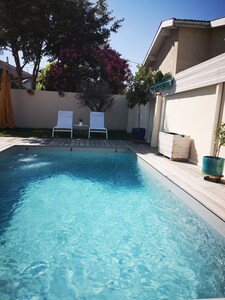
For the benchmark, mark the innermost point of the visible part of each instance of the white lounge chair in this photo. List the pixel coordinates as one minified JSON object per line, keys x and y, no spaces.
{"x":97,"y":124}
{"x":64,"y":122}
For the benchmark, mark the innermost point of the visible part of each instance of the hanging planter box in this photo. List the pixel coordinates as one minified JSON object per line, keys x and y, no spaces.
{"x":173,"y":145}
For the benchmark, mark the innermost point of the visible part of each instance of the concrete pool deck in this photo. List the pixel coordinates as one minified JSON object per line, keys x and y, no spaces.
{"x":186,"y":175}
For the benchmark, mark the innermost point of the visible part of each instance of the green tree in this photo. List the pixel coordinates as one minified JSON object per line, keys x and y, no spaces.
{"x":23,"y":30}
{"x":43,"y":78}
{"x":96,"y":95}
{"x":31,"y":29}
{"x":80,"y":23}
{"x":138,"y":90}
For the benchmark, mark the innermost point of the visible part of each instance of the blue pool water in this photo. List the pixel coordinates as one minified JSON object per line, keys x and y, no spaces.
{"x":98,"y":226}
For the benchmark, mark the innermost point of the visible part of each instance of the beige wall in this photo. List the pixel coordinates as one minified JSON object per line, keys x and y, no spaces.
{"x":217,"y":43}
{"x":168,"y":64}
{"x":191,"y":113}
{"x":193,"y":47}
{"x":187,"y":47}
{"x":167,"y":56}
{"x":196,"y":58}
{"x":40,"y":110}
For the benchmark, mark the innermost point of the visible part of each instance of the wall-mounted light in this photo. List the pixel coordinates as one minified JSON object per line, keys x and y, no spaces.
{"x":30,"y":92}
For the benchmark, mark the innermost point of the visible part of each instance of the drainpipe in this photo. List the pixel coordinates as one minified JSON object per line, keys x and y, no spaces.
{"x":219,"y":90}
{"x":155,"y":131}
{"x":161,"y":126}
{"x":148,"y":125}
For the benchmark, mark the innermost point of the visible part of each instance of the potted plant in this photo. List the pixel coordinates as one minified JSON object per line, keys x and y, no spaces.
{"x":213,"y":165}
{"x":161,"y":81}
{"x":80,"y":121}
{"x":138,"y":93}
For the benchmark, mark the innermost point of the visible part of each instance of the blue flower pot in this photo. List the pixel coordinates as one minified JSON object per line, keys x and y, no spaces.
{"x":138,"y":133}
{"x":212,"y":165}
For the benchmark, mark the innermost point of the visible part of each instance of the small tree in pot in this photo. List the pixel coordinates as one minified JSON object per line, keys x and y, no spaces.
{"x":213,"y":165}
{"x":138,"y":93}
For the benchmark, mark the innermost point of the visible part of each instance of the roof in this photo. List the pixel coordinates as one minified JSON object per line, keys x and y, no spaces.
{"x":164,"y":31}
{"x":12,"y":70}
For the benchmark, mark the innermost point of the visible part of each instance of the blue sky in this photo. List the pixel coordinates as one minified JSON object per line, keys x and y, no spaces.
{"x":143,"y":18}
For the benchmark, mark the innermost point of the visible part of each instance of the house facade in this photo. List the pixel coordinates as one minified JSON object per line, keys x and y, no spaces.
{"x":13,"y":75}
{"x":181,"y":44}
{"x":194,"y":53}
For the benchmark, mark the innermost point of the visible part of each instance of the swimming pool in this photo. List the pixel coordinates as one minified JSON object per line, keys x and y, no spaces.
{"x":98,"y":225}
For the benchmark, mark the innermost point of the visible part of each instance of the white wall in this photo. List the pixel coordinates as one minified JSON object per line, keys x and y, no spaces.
{"x":40,"y":110}
{"x":222,"y":151}
{"x":146,"y":118}
{"x":192,"y":113}
{"x":195,"y":105}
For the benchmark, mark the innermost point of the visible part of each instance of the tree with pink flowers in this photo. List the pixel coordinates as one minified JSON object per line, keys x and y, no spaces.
{"x":75,"y":66}
{"x":34,"y":29}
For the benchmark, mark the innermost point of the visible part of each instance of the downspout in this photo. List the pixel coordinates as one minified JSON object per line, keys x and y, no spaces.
{"x":217,"y":119}
{"x":148,"y":125}
{"x":161,"y":126}
{"x":155,"y":131}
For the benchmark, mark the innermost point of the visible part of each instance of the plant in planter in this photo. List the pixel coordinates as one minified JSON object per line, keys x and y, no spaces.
{"x":80,"y":121}
{"x":159,"y":77}
{"x":161,"y":81}
{"x":213,"y":165}
{"x":138,"y":93}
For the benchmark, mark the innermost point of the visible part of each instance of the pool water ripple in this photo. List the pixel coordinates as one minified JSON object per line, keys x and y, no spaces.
{"x":97,"y":226}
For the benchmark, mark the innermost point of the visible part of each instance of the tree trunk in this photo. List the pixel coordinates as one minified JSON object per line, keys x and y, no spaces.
{"x":36,"y":66}
{"x":15,"y":54}
{"x":139,"y":116}
{"x":35,"y":73}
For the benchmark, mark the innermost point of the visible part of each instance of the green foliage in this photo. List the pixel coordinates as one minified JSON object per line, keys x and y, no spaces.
{"x":23,"y":29}
{"x":96,"y":95}
{"x":138,"y":90}
{"x":167,"y":76}
{"x":81,"y":23}
{"x":220,"y":137}
{"x":36,"y":28}
{"x":42,"y":78}
{"x":158,"y":76}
